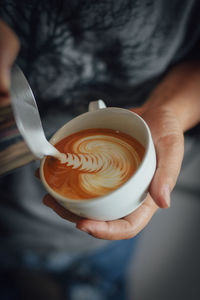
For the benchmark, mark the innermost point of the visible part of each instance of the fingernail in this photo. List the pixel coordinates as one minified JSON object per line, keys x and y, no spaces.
{"x":84,"y":229}
{"x":166,"y":194}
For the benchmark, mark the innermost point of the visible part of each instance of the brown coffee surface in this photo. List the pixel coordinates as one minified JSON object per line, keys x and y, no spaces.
{"x":98,"y":162}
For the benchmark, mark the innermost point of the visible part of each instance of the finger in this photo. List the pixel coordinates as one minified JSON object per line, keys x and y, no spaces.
{"x":137,"y":110}
{"x":169,"y":151}
{"x":37,"y":173}
{"x":169,"y":157}
{"x":9,"y":47}
{"x":125,"y":228}
{"x":61,"y":211}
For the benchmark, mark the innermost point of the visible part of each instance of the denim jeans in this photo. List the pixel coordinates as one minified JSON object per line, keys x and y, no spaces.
{"x":97,"y":276}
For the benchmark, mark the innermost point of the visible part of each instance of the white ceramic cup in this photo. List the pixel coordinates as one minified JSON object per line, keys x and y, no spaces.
{"x":131,"y":194}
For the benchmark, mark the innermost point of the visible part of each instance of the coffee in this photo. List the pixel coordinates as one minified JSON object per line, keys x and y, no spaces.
{"x":98,"y":162}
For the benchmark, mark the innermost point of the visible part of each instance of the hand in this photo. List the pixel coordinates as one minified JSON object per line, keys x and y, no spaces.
{"x":9,"y":47}
{"x":168,"y":138}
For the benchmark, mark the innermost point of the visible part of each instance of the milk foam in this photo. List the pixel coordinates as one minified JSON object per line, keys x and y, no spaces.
{"x":99,"y":163}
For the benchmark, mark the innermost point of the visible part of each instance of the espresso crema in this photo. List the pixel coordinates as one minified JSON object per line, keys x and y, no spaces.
{"x":98,"y":162}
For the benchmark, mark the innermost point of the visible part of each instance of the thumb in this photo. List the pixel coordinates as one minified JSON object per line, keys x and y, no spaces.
{"x":169,"y":150}
{"x":169,"y":144}
{"x":9,"y":47}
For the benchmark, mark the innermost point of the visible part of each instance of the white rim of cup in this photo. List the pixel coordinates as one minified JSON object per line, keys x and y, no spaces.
{"x":68,"y":200}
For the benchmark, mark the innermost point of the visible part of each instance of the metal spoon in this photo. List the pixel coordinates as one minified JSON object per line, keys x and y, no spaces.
{"x":28,"y":119}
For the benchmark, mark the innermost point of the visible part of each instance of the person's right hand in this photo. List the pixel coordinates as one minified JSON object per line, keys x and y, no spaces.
{"x":168,"y":139}
{"x":9,"y":48}
{"x":171,"y":109}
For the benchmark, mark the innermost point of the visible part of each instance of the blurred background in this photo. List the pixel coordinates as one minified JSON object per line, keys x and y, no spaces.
{"x":167,"y":259}
{"x":70,"y":57}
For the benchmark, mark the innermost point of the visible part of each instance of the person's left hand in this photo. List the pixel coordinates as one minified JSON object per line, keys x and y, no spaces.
{"x":169,"y":144}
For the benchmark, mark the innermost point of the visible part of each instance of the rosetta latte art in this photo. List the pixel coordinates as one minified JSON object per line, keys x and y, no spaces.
{"x":98,"y":162}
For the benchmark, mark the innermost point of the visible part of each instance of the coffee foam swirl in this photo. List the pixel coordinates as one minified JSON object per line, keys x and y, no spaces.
{"x":97,"y":163}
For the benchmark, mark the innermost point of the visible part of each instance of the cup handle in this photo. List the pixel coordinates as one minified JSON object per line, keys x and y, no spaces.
{"x":95,"y":105}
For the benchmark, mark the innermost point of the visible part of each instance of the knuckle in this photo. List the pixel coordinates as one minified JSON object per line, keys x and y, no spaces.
{"x":173,"y":139}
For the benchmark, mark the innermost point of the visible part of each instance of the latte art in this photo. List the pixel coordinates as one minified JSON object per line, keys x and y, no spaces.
{"x":98,"y":162}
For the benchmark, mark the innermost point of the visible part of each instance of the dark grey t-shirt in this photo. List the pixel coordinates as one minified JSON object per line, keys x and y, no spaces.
{"x":72,"y":49}
{"x":76,"y":51}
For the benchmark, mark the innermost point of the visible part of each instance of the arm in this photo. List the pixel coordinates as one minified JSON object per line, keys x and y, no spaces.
{"x":172,"y":108}
{"x":180,"y":93}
